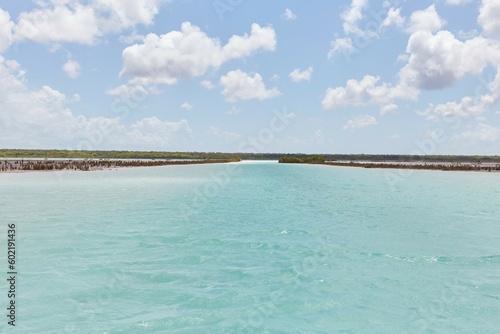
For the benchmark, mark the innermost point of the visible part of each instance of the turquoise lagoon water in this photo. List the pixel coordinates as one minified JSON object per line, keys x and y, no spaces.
{"x":253,"y":248}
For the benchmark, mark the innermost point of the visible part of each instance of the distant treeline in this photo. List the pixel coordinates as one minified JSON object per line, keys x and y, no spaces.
{"x":74,"y":154}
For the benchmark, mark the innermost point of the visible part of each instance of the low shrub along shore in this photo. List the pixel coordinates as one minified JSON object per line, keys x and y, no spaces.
{"x":445,"y":166}
{"x":92,"y":165}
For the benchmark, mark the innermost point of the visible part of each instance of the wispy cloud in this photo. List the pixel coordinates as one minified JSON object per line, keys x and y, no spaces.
{"x":297,"y":75}
{"x":360,"y":122}
{"x":187,"y":106}
{"x":289,"y":15}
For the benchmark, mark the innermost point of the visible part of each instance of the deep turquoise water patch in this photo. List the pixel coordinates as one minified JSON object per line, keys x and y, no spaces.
{"x":253,"y":248}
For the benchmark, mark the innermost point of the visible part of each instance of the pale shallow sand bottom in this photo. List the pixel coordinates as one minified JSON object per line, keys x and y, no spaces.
{"x":254,"y":248}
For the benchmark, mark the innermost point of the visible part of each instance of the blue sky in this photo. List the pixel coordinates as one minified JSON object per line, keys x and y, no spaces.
{"x":354,"y":76}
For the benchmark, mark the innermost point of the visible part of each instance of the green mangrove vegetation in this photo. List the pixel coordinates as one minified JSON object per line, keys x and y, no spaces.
{"x":313,"y":159}
{"x":475,"y":164}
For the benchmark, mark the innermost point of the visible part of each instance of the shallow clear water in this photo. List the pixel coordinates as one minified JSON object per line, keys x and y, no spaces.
{"x":253,"y":248}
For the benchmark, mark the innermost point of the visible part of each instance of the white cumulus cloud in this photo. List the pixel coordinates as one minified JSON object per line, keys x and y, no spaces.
{"x":434,"y":60}
{"x":76,"y":23}
{"x":238,"y":85}
{"x":489,"y":15}
{"x":466,"y":107}
{"x":341,"y":45}
{"x":83,"y":22}
{"x":188,"y":53}
{"x":352,"y":16}
{"x":6,"y":26}
{"x":394,"y":18}
{"x":126,"y":14}
{"x":426,"y":20}
{"x":297,"y":75}
{"x":42,"y":118}
{"x":437,"y":61}
{"x":365,"y":92}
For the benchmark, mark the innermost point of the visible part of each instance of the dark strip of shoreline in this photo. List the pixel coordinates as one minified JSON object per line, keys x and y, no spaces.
{"x":26,"y":165}
{"x":478,"y":167}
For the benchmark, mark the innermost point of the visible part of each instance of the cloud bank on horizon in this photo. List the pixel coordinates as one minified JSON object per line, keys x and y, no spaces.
{"x":354,"y":76}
